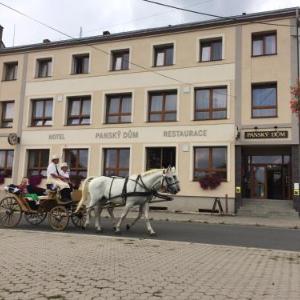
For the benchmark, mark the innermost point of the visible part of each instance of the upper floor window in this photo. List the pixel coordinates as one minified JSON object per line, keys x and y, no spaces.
{"x":118,"y":108}
{"x":120,"y":60}
{"x":77,"y":160}
{"x":10,"y":71}
{"x":41,"y":112}
{"x":38,"y":160}
{"x":116,"y":162}
{"x":6,"y":162}
{"x":162,"y":106}
{"x":163,"y":55}
{"x":211,"y":103}
{"x":80,"y":64}
{"x":7,"y":114}
{"x":44,"y":67}
{"x":160,"y":157}
{"x":210,"y":160}
{"x":211,"y":49}
{"x":79,"y":110}
{"x":264,"y":43}
{"x":264,"y":100}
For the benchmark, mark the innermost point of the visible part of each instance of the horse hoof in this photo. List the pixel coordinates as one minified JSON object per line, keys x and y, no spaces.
{"x":127,"y":227}
{"x":115,"y":228}
{"x":83,"y":228}
{"x":99,"y":230}
{"x":152,"y":234}
{"x":118,"y":232}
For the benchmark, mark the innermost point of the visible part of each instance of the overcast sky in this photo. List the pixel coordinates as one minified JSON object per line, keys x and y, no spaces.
{"x":114,"y":15}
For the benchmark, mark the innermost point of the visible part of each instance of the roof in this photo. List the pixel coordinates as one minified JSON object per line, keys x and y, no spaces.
{"x":245,"y":18}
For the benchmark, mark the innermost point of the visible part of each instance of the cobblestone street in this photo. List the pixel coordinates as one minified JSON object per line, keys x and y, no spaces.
{"x":43,"y":265}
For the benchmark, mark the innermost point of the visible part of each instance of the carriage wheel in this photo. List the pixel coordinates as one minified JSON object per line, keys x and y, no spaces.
{"x":35,"y":218}
{"x":58,"y":218}
{"x":79,"y":218}
{"x":10,"y":212}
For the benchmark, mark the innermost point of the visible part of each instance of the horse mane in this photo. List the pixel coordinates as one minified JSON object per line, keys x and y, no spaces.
{"x":151,"y":172}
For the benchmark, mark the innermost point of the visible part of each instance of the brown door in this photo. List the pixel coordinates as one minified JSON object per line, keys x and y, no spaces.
{"x":259,"y":183}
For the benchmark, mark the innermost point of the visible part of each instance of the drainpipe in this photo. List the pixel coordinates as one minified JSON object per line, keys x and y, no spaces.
{"x":297,"y":38}
{"x":17,"y":153}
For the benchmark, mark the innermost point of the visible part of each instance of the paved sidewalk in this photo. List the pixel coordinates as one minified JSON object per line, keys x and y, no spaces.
{"x":39,"y":265}
{"x":281,"y":222}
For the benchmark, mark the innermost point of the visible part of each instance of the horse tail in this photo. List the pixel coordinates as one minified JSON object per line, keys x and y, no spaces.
{"x":85,"y":191}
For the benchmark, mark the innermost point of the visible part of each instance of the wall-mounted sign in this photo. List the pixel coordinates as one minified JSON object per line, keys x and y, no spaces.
{"x":13,"y":139}
{"x":275,"y":134}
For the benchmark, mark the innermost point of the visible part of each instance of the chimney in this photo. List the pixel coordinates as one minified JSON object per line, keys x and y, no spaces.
{"x":106,"y":32}
{"x":45,"y":41}
{"x":1,"y":35}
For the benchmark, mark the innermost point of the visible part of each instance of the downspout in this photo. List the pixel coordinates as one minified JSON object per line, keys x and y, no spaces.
{"x":297,"y":38}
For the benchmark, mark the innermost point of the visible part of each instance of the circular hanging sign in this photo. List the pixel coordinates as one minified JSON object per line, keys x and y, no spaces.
{"x":13,"y":139}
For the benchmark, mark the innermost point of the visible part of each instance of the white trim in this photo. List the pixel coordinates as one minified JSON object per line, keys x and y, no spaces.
{"x":103,"y":105}
{"x":160,"y":145}
{"x":210,"y":85}
{"x":112,"y":49}
{"x":161,"y":89}
{"x":71,"y":62}
{"x":162,"y":43}
{"x":210,"y":144}
{"x":109,"y":146}
{"x":206,"y":37}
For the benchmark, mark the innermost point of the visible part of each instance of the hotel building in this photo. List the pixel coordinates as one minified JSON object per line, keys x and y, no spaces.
{"x":206,"y":97}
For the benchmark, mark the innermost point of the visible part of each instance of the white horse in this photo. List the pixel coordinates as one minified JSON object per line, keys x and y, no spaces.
{"x":136,"y":190}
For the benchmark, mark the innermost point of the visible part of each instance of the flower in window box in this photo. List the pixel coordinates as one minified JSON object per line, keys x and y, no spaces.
{"x":295,"y":102}
{"x":210,"y":181}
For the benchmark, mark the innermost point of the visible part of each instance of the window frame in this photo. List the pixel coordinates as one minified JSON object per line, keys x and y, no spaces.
{"x":77,"y":169}
{"x":49,"y":68}
{"x":210,"y":170}
{"x":3,"y":111}
{"x":117,"y":169}
{"x":6,"y":65}
{"x":161,"y":149}
{"x":80,"y":116}
{"x":120,"y":114}
{"x":264,"y":85}
{"x":43,"y":118}
{"x":210,"y":41}
{"x":163,"y":48}
{"x":210,"y":110}
{"x":80,"y":56}
{"x":262,"y":36}
{"x":163,"y":112}
{"x":39,"y":168}
{"x":120,"y":53}
{"x":5,"y":169}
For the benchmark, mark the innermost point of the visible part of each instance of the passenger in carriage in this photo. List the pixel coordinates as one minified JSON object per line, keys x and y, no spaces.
{"x":55,"y":177}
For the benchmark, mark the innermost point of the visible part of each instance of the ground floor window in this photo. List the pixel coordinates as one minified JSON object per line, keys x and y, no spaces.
{"x":38,"y":160}
{"x":160,"y":157}
{"x":6,"y":162}
{"x":77,"y":160}
{"x":116,"y":162}
{"x":210,"y":160}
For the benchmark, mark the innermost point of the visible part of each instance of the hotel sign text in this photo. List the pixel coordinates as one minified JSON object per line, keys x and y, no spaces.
{"x":275,"y":134}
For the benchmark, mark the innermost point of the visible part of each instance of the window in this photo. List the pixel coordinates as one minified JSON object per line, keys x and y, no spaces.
{"x":7,"y":114}
{"x":79,"y":109}
{"x":80,"y":64}
{"x":264,"y":100}
{"x":158,"y":158}
{"x":38,"y":161}
{"x":120,"y":60}
{"x":118,"y":108}
{"x":6,"y":162}
{"x":42,"y":112}
{"x":211,"y":50}
{"x":163,"y":55}
{"x":77,"y":160}
{"x":210,"y":160}
{"x":264,"y":43}
{"x":44,"y":66}
{"x":162,"y":106}
{"x":116,"y":162}
{"x":211,"y":103}
{"x":10,"y":71}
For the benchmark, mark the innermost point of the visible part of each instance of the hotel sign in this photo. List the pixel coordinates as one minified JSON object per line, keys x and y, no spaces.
{"x":275,"y":134}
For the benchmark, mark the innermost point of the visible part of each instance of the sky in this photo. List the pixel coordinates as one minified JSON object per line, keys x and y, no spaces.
{"x":96,"y":16}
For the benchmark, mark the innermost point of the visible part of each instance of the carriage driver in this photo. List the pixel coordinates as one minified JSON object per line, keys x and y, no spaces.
{"x":55,"y":177}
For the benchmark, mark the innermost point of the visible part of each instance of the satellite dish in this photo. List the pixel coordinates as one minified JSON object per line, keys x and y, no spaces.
{"x":13,"y":139}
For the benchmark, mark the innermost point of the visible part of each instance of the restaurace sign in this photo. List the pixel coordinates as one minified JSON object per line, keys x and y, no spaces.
{"x":275,"y":134}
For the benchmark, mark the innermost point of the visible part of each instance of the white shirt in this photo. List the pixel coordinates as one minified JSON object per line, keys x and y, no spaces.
{"x":64,"y":174}
{"x":52,"y":169}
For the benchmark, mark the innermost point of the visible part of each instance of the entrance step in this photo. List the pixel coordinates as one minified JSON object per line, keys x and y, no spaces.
{"x":267,"y":208}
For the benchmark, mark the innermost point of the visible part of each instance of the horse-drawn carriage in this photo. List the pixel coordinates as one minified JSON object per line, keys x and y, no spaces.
{"x":15,"y":204}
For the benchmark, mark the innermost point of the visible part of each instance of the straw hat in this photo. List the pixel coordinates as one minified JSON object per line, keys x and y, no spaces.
{"x":64,"y":164}
{"x":55,"y":156}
